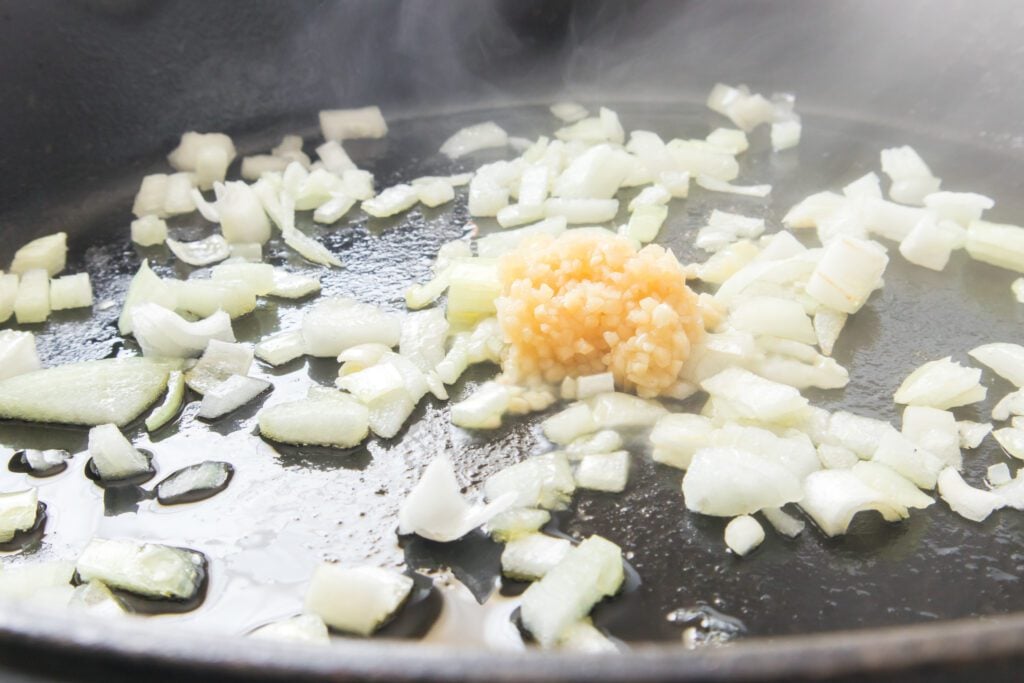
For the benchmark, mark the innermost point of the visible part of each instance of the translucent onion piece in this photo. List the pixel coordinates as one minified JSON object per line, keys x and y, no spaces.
{"x":350,"y":124}
{"x":603,"y":472}
{"x":70,"y":291}
{"x":833,"y":497}
{"x":1004,"y":359}
{"x":849,"y":270}
{"x":474,"y":138}
{"x":147,"y":569}
{"x":166,"y":411}
{"x":202,"y":252}
{"x":743,"y":534}
{"x":530,"y":556}
{"x":998,"y":244}
{"x":32,"y":302}
{"x":17,"y":353}
{"x":965,"y":500}
{"x":716,"y":185}
{"x":230,"y":395}
{"x":113,"y":456}
{"x":18,"y":512}
{"x":785,"y":524}
{"x":330,"y":419}
{"x":165,"y":334}
{"x":149,"y":231}
{"x":304,"y":628}
{"x":542,"y":481}
{"x":727,"y":482}
{"x":333,"y":325}
{"x":941,"y":384}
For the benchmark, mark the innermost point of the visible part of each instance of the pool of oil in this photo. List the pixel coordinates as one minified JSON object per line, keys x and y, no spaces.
{"x":287,"y":509}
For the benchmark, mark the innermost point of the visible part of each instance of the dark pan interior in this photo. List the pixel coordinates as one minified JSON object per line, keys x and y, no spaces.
{"x":298,"y":506}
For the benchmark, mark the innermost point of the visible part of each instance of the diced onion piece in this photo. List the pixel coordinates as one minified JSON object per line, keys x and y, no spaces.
{"x":473,"y":288}
{"x":902,"y":455}
{"x":473,"y":138}
{"x":145,"y":287}
{"x":755,"y":398}
{"x":603,"y":472}
{"x":941,"y":384}
{"x":309,"y":249}
{"x":151,"y":196}
{"x":785,"y":524}
{"x":204,"y":298}
{"x":912,"y":180}
{"x":1011,"y":404}
{"x":330,"y":419}
{"x":999,"y":244}
{"x":208,"y":154}
{"x":743,"y":534}
{"x":794,"y":450}
{"x":814,"y":209}
{"x":356,"y":600}
{"x":89,"y":393}
{"x":615,"y":410}
{"x":542,"y":481}
{"x":729,"y":140}
{"x":894,"y":486}
{"x":18,"y":353}
{"x":351,"y":124}
{"x":423,"y":337}
{"x":849,"y":270}
{"x":483,"y":408}
{"x":518,"y":214}
{"x":372,"y":383}
{"x":653,"y":195}
{"x":147,"y":569}
{"x":281,"y":348}
{"x":833,"y":497}
{"x":727,"y":482}
{"x":435,"y":509}
{"x":935,"y":431}
{"x":746,"y":110}
{"x":113,"y":456}
{"x":676,"y":437}
{"x":202,"y":252}
{"x":582,"y":210}
{"x":32,"y":302}
{"x":998,"y":474}
{"x":773,"y":316}
{"x":960,"y":207}
{"x":496,"y":244}
{"x":166,"y":411}
{"x":862,"y":435}
{"x":149,"y":231}
{"x":435,"y":193}
{"x":972,"y":433}
{"x":645,"y":222}
{"x":828,"y":324}
{"x":201,"y":480}
{"x":258,"y":277}
{"x":242,"y":218}
{"x":927,"y":245}
{"x":596,"y":174}
{"x":1005,"y":359}
{"x":293,"y":285}
{"x":725,"y":263}
{"x":589,"y":572}
{"x":220,"y":360}
{"x":570,"y":112}
{"x":486,"y":196}
{"x":716,"y":185}
{"x":592,"y":385}
{"x":516,"y":522}
{"x":333,"y":325}
{"x":178,"y":196}
{"x":70,"y":291}
{"x":575,"y":421}
{"x":786,"y":134}
{"x":965,"y":500}
{"x":1012,"y":441}
{"x":230,"y":395}
{"x":606,"y":441}
{"x":255,"y":166}
{"x":17,"y":512}
{"x":165,"y":334}
{"x":334,"y":157}
{"x":531,"y":556}
{"x":98,"y":600}
{"x":836,"y":457}
{"x":724,"y":228}
{"x":391,"y":201}
{"x":304,"y":628}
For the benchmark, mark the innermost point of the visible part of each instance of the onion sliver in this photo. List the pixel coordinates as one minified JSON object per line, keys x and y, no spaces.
{"x":202,"y":252}
{"x":833,"y":497}
{"x":165,"y":334}
{"x":166,"y":411}
{"x":967,"y":501}
{"x":727,"y":482}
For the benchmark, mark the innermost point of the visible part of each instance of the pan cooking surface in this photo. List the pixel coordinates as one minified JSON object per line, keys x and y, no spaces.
{"x":289,"y":508}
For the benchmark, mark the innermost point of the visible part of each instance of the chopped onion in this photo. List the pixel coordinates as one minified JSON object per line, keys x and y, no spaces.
{"x":911,"y":178}
{"x":727,"y":482}
{"x":1012,"y":441}
{"x":165,"y":334}
{"x":677,"y":436}
{"x":773,"y":316}
{"x":330,"y":419}
{"x":147,"y":569}
{"x":98,"y":600}
{"x":473,"y":288}
{"x":743,"y":534}
{"x":356,"y":600}
{"x":941,"y":384}
{"x":149,"y":231}
{"x":862,"y":435}
{"x":435,"y":509}
{"x":960,"y":207}
{"x":999,"y":244}
{"x":44,"y":463}
{"x":965,"y":500}
{"x":281,"y":348}
{"x":145,"y":287}
{"x":483,"y":408}
{"x":435,"y":193}
{"x":715,"y":185}
{"x":208,"y":154}
{"x":793,"y":450}
{"x":486,"y":196}
{"x":603,"y":472}
{"x":606,"y":441}
{"x":309,"y":249}
{"x":516,"y":522}
{"x":645,"y":222}
{"x":195,"y":482}
{"x":230,"y":395}
{"x":849,"y":270}
{"x":204,"y":298}
{"x":814,"y":209}
{"x":542,"y":481}
{"x":589,"y":572}
{"x":531,"y":556}
{"x":935,"y":431}
{"x":166,"y":411}
{"x":32,"y":302}
{"x":150,"y":198}
{"x":255,"y":166}
{"x":828,"y":324}
{"x":473,"y":138}
{"x":496,"y":244}
{"x":178,"y":196}
{"x":293,"y":285}
{"x":902,"y":455}
{"x":518,"y":214}
{"x":18,"y":353}
{"x":998,"y":474}
{"x":833,"y":497}
{"x":333,"y":325}
{"x":755,"y":398}
{"x":70,"y":291}
{"x":575,"y":421}
{"x":90,"y":393}
{"x":422,"y":338}
{"x":744,"y":109}
{"x":1005,"y":359}
{"x":242,"y":218}
{"x":113,"y":456}
{"x":570,"y":112}
{"x":582,"y":210}
{"x":220,"y":360}
{"x":614,"y":410}
{"x":8,"y":295}
{"x":258,"y":277}
{"x":724,"y":228}
{"x":201,"y":252}
{"x":972,"y":433}
{"x":596,"y":174}
{"x":894,"y":486}
{"x":351,"y":124}
{"x":304,"y":628}
{"x":391,"y":201}
{"x":18,"y":512}
{"x":786,"y":134}
{"x":729,"y":140}
{"x":785,"y":524}
{"x":1011,"y":404}
{"x":592,"y":385}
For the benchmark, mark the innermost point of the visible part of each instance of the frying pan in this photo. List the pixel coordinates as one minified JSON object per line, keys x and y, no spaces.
{"x":96,"y":92}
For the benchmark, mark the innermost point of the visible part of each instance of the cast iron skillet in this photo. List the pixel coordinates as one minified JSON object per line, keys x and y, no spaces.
{"x":880,"y":578}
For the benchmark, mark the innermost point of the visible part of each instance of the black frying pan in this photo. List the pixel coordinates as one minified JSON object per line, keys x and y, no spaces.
{"x":300,"y":505}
